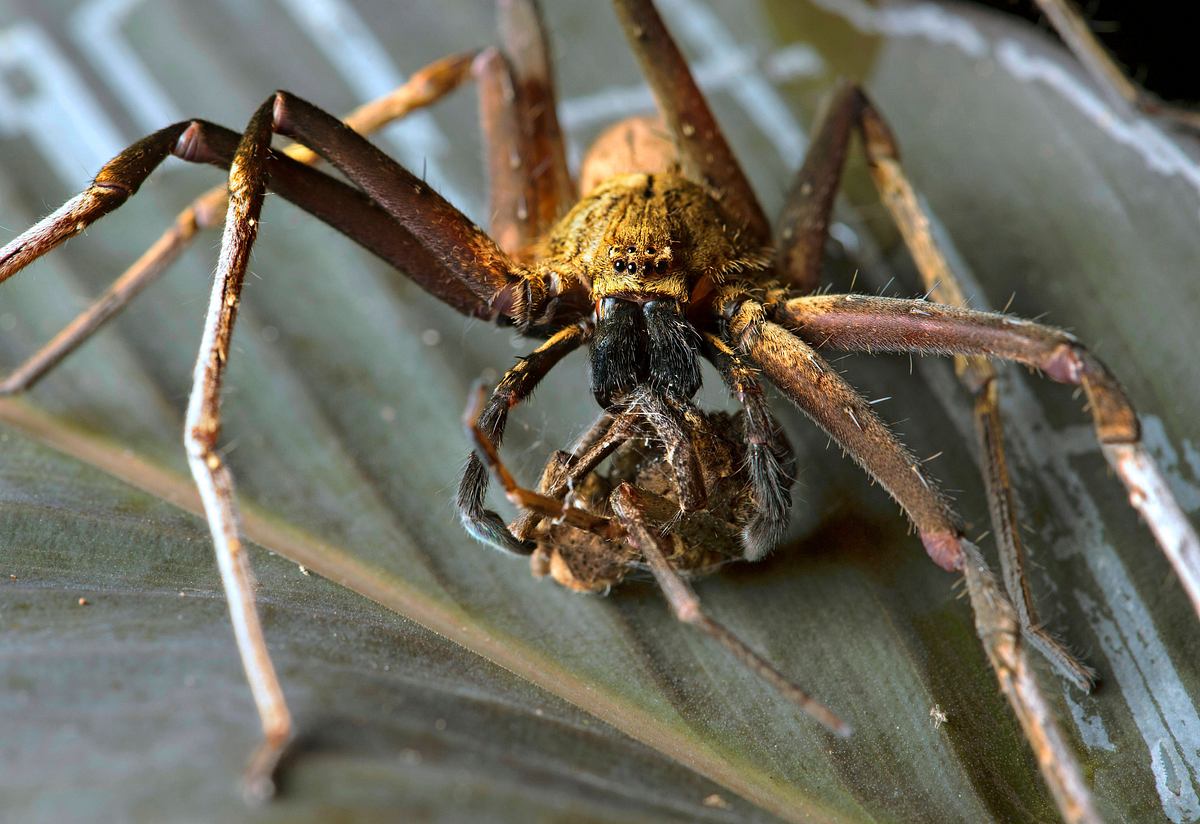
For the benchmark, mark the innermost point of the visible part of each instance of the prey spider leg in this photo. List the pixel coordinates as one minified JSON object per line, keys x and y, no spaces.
{"x":544,"y":505}
{"x":567,"y":471}
{"x":635,"y":523}
{"x":630,"y":504}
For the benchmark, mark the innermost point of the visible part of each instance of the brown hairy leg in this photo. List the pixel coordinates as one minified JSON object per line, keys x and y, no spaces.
{"x":769,"y":459}
{"x":531,"y":187}
{"x":860,"y":323}
{"x":202,"y":426}
{"x":1065,"y":360}
{"x":803,"y":239}
{"x":488,"y":422}
{"x":466,"y":254}
{"x":432,"y":224}
{"x":392,"y":214}
{"x":803,"y":224}
{"x":425,"y":87}
{"x":821,"y":393}
{"x":703,"y":152}
{"x":1117,"y":425}
{"x":1002,"y":633}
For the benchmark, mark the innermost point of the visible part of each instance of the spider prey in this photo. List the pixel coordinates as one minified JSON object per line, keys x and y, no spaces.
{"x":677,"y":497}
{"x":667,"y":260}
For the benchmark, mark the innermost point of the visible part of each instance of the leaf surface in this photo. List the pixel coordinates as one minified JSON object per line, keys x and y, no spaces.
{"x":525,"y":701}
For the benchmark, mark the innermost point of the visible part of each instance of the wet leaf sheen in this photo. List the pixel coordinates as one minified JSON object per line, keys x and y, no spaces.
{"x":459,"y":688}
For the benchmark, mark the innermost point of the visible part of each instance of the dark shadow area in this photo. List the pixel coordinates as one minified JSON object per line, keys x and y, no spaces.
{"x":1152,"y":40}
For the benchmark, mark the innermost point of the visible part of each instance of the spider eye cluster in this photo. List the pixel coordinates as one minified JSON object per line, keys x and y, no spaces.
{"x":631,"y":259}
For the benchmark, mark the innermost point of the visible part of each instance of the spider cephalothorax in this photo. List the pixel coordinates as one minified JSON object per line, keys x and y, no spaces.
{"x":660,"y":258}
{"x":648,"y":248}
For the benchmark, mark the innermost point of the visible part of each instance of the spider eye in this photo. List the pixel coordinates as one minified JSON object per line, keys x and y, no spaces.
{"x":632,"y":250}
{"x":619,"y":265}
{"x":632,"y":267}
{"x":649,"y":250}
{"x":660,"y":267}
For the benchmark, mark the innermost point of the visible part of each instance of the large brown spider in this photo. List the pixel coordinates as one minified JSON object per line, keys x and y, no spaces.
{"x":667,"y":259}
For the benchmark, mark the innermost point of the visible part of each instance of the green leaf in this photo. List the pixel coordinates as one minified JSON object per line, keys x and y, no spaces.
{"x":458,"y":686}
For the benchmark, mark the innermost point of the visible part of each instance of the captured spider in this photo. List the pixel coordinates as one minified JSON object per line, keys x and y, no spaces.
{"x":666,"y":261}
{"x":678,"y":498}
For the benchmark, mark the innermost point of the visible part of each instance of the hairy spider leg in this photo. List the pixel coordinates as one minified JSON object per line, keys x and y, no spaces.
{"x":459,"y":252}
{"x":805,"y":222}
{"x":1117,"y":426}
{"x":429,"y":239}
{"x":633,"y":527}
{"x":850,"y":107}
{"x":426,"y":222}
{"x":344,"y":207}
{"x":769,"y":458}
{"x":530,"y":185}
{"x":202,"y":425}
{"x":821,"y":393}
{"x":423,"y":88}
{"x":999,"y":627}
{"x":1049,"y":350}
{"x":862,"y":323}
{"x":393,"y":215}
{"x":517,"y":384}
{"x":704,"y":154}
